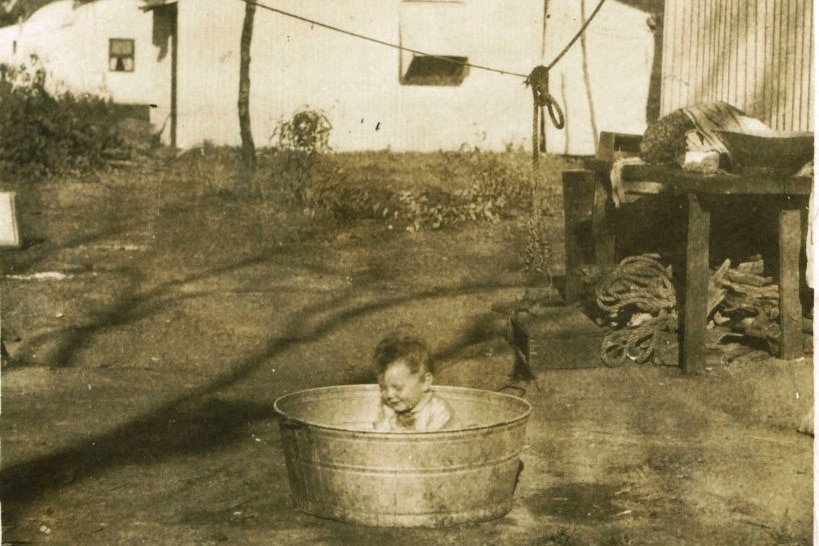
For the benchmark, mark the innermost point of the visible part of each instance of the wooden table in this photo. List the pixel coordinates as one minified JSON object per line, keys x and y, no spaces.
{"x":789,"y":195}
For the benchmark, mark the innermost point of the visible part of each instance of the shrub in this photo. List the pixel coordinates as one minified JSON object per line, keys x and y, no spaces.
{"x":47,"y":133}
{"x":307,"y":131}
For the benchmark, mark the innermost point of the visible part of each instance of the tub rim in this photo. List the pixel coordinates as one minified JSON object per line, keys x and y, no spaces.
{"x":286,"y":418}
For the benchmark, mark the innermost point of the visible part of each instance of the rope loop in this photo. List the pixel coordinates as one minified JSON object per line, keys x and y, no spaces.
{"x":538,"y":80}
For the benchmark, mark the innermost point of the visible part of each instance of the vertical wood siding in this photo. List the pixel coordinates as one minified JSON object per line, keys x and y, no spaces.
{"x":756,"y":55}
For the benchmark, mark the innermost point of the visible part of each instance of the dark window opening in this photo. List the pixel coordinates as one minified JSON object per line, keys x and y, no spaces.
{"x":438,"y":70}
{"x":120,"y":55}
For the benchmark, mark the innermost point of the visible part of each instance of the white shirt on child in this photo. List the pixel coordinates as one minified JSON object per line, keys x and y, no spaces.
{"x":430,"y":414}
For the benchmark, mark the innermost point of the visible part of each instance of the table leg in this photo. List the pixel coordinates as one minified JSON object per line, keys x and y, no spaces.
{"x":578,"y":199}
{"x":602,"y":225}
{"x":695,"y":318}
{"x":790,"y":308}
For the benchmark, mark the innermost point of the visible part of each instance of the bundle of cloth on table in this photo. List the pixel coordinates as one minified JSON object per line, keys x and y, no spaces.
{"x":690,"y":137}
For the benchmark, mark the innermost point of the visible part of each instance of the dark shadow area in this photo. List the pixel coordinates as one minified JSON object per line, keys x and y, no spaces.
{"x":481,"y":329}
{"x":192,"y":427}
{"x":741,"y":227}
{"x":577,"y":502}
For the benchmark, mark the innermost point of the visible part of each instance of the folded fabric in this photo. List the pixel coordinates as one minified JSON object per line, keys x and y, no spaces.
{"x":618,"y":194}
{"x":694,"y":128}
{"x":710,"y":117}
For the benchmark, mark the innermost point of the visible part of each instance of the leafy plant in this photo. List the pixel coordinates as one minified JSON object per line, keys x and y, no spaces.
{"x":307,"y":131}
{"x":51,"y":133}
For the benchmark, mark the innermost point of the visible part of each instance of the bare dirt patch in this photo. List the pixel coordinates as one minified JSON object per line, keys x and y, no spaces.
{"x":138,"y":403}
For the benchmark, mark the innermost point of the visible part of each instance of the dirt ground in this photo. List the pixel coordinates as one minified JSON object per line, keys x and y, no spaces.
{"x":151,"y":328}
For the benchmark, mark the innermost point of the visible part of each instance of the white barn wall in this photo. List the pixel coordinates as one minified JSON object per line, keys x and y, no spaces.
{"x":757,"y":56}
{"x":9,"y":37}
{"x":355,"y":82}
{"x":620,"y":52}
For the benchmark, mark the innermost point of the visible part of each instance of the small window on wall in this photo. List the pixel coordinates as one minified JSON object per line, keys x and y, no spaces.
{"x":437,"y":70}
{"x":435,"y":51}
{"x":120,"y":55}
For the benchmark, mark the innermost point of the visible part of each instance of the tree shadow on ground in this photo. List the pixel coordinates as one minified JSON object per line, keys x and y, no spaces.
{"x":196,"y":421}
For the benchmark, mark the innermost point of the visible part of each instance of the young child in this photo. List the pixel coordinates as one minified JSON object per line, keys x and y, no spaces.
{"x":404,"y":369}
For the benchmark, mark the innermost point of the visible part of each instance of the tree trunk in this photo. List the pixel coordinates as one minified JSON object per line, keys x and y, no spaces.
{"x":248,"y":154}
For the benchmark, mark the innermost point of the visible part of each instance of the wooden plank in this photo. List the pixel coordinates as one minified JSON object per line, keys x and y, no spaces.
{"x":9,"y":226}
{"x":647,"y":188}
{"x":807,"y":68}
{"x":759,"y":181}
{"x":696,"y":287}
{"x":578,"y":199}
{"x":790,"y":308}
{"x":669,"y":36}
{"x":798,"y":185}
{"x":755,"y":106}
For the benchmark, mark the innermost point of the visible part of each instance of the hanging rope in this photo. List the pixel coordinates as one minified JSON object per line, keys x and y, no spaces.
{"x":538,"y":80}
{"x":537,"y":247}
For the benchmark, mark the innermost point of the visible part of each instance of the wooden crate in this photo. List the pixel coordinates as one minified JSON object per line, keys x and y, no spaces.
{"x":556,"y":338}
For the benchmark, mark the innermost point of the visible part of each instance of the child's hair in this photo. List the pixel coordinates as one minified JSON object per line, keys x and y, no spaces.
{"x":405,"y":347}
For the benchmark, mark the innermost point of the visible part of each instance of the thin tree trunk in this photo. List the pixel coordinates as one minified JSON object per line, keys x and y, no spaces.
{"x":248,"y":154}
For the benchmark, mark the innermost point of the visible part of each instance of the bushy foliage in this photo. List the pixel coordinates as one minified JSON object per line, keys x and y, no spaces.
{"x":467,"y":186}
{"x":46,"y":133}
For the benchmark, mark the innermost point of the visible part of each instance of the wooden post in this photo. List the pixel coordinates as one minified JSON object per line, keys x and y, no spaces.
{"x":248,"y":150}
{"x":790,"y":308}
{"x":603,"y":232}
{"x":578,"y":197}
{"x":696,"y":287}
{"x":174,"y":77}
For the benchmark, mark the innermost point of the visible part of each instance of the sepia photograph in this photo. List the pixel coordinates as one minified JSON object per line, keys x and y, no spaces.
{"x":391,"y":272}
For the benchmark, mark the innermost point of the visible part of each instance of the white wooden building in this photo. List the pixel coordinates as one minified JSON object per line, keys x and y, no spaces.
{"x":182,"y":56}
{"x":89,"y":48}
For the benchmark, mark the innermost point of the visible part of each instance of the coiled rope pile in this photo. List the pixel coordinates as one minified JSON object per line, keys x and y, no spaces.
{"x":640,"y":299}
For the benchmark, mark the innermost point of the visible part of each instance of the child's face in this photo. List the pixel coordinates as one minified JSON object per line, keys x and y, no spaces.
{"x":401,"y":389}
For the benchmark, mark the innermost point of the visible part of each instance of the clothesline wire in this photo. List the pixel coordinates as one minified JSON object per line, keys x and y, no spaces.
{"x":579,"y":33}
{"x":422,"y":53}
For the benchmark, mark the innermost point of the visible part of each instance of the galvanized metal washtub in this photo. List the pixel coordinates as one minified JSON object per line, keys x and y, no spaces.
{"x":340,"y":468}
